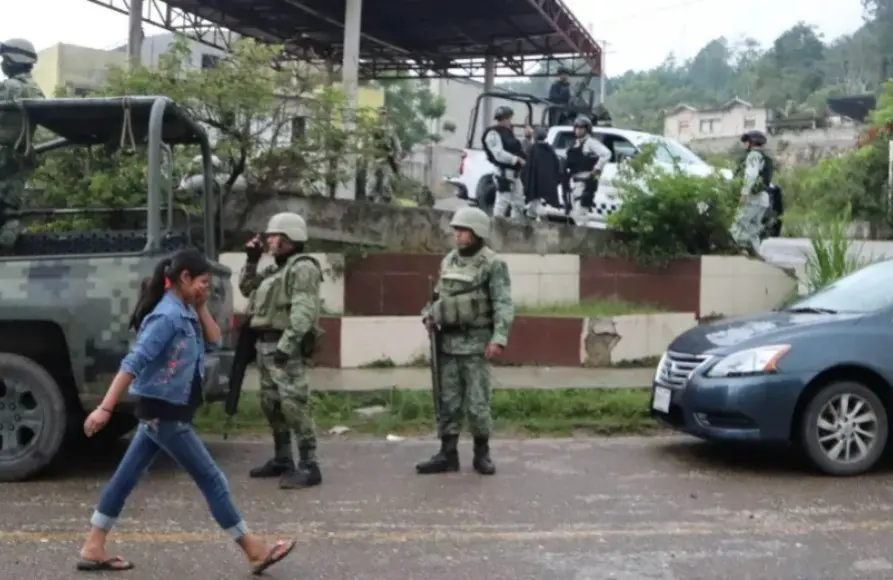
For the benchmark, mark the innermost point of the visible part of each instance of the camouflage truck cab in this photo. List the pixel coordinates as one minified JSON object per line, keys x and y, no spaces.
{"x":66,"y":297}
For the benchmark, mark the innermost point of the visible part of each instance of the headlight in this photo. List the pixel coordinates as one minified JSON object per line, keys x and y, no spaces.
{"x":660,"y":365}
{"x":751,"y":361}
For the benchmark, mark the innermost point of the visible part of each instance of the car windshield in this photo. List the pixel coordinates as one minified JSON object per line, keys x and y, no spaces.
{"x":863,"y":291}
{"x":670,"y":151}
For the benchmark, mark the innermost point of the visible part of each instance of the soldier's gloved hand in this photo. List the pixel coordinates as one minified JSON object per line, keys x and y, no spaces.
{"x":280,"y":358}
{"x":254,"y":249}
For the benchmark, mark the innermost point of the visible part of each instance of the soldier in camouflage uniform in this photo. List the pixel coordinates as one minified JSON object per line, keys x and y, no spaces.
{"x":384,"y":163}
{"x":757,"y":173}
{"x":284,"y":306}
{"x":473,"y":311}
{"x":16,"y":158}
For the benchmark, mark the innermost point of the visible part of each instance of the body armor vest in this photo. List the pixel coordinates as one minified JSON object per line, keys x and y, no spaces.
{"x":463,"y":298}
{"x":510,"y":143}
{"x":766,"y":173}
{"x":577,"y":161}
{"x":270,"y":303}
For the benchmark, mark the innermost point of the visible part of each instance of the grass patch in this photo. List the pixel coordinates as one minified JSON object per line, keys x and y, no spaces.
{"x":529,"y":412}
{"x":589,"y":308}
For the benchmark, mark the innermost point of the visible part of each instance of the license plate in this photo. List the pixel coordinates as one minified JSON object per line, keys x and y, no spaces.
{"x":661,"y":402}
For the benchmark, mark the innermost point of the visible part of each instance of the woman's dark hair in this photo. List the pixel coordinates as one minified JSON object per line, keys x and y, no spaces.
{"x":152,"y":289}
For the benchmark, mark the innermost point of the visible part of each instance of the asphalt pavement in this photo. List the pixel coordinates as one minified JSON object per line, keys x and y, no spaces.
{"x":577,"y":509}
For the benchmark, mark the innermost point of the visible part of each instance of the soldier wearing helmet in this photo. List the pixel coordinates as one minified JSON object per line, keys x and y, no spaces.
{"x":506,"y":152}
{"x":17,"y":162}
{"x":585,"y":160}
{"x":284,"y":307}
{"x":755,"y":202}
{"x":473,"y":312}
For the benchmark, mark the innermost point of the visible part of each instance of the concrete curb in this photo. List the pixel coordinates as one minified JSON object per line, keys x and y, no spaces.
{"x":359,"y":380}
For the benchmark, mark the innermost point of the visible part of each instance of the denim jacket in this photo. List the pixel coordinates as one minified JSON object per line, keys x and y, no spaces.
{"x":169,"y":350}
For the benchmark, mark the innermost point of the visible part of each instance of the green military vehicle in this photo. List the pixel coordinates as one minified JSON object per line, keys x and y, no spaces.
{"x":65,"y":297}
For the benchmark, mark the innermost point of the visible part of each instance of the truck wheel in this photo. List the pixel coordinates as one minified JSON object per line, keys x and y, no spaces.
{"x":33,"y":418}
{"x":844,"y":429}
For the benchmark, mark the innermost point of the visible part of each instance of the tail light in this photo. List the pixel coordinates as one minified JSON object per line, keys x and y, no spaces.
{"x":462,"y":162}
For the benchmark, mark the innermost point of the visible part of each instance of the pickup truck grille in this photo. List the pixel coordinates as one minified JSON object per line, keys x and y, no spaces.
{"x":676,"y":367}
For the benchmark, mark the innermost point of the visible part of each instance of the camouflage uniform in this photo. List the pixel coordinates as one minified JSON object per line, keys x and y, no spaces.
{"x":384,"y":164}
{"x":284,"y":305}
{"x":757,"y":170}
{"x":17,"y":163}
{"x":473,"y":309}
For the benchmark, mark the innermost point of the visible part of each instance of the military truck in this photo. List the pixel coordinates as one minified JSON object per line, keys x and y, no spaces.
{"x":65,"y":297}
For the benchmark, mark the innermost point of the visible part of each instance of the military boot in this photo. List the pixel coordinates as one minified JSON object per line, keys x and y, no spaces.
{"x":281,"y":462}
{"x":306,"y":475}
{"x":445,"y":460}
{"x":482,"y":462}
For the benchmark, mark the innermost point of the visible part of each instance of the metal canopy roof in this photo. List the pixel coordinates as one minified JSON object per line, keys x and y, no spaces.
{"x":399,"y":37}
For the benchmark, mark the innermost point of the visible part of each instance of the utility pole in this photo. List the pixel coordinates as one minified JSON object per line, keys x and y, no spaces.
{"x":135,"y":34}
{"x":603,"y":79}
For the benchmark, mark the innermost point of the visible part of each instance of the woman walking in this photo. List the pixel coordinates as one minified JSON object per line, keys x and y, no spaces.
{"x":164,"y":370}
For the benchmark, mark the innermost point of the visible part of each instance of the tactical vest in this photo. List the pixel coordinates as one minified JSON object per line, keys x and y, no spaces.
{"x":510,"y":143}
{"x":270,"y":304}
{"x":464,"y":299}
{"x":18,"y":87}
{"x":766,"y":173}
{"x":577,"y":161}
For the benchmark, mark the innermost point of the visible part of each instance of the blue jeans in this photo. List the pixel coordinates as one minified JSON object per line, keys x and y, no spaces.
{"x":182,"y":444}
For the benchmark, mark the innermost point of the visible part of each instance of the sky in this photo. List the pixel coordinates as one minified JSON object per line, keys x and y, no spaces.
{"x":639,"y":33}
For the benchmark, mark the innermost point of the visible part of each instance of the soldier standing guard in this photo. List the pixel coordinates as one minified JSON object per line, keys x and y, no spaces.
{"x":284,"y":306}
{"x":17,"y":161}
{"x":473,"y":312}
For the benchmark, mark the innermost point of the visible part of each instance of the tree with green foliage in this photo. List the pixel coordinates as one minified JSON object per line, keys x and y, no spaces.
{"x":281,"y":126}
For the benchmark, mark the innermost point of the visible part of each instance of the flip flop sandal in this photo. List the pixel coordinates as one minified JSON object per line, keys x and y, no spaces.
{"x":275,"y":555}
{"x":115,"y":564}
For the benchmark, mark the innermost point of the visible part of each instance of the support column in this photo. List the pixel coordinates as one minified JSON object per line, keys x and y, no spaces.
{"x":489,"y":83}
{"x":135,"y":34}
{"x":350,"y":80}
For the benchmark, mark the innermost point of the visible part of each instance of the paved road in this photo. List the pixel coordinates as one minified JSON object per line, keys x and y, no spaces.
{"x":412,"y":378}
{"x":586,"y":509}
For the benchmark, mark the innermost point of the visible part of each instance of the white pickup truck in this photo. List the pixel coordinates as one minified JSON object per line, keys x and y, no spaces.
{"x":475,"y":182}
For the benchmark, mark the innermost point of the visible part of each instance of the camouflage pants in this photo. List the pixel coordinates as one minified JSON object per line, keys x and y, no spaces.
{"x":381,"y":181}
{"x":749,"y":222}
{"x":11,"y":192}
{"x":285,"y":396}
{"x":464,"y":382}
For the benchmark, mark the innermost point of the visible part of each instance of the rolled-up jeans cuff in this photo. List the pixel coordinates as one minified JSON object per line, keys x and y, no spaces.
{"x":102,"y":521}
{"x":238,"y":531}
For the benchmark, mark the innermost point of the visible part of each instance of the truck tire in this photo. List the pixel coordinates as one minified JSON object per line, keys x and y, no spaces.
{"x":827,"y":439}
{"x":33,"y":418}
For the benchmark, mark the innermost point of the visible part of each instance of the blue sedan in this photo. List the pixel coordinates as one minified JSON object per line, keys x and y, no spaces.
{"x":818,"y":374}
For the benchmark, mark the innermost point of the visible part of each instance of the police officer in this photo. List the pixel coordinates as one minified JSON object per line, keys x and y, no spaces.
{"x":560,"y":94}
{"x":284,"y":305}
{"x":585,"y":160}
{"x":473,"y":311}
{"x":17,"y":162}
{"x":757,"y":173}
{"x":506,"y":152}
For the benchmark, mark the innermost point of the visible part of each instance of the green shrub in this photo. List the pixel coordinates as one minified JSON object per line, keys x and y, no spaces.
{"x":666,"y":215}
{"x":834,"y":255}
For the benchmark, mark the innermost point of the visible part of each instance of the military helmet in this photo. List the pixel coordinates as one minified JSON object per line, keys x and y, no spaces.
{"x":583,"y":122}
{"x":757,"y":138}
{"x":473,"y":219}
{"x":291,"y":225}
{"x":503,"y":112}
{"x":19,"y":51}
